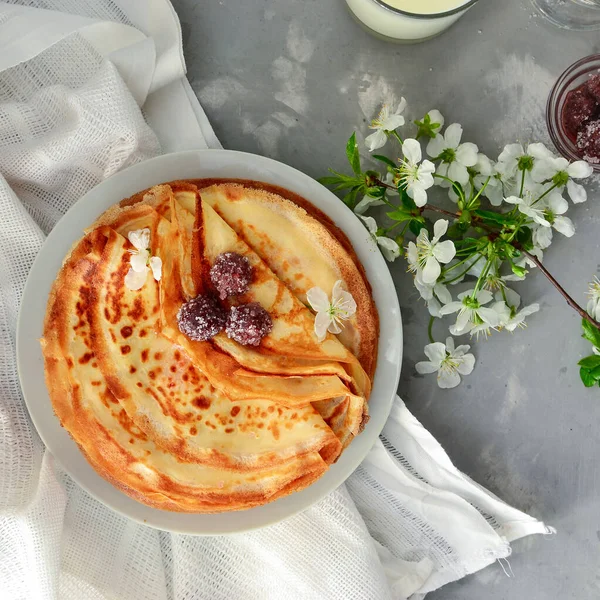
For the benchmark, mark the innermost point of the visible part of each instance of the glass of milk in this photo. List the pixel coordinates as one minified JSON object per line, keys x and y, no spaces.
{"x":408,"y":20}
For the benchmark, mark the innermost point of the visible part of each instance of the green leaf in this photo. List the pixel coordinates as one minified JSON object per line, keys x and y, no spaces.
{"x":465,"y":217}
{"x":595,"y":373}
{"x":492,"y":217}
{"x":339,"y":180}
{"x":329,"y":180}
{"x":407,"y":201}
{"x":471,"y":241}
{"x":518,"y":271}
{"x":386,"y":160}
{"x":400,"y":215}
{"x":352,"y":154}
{"x":524,"y":238}
{"x":375,"y":192}
{"x":507,"y":251}
{"x":590,"y":362}
{"x":456,"y":231}
{"x":586,"y":377}
{"x":458,"y":189}
{"x":351,"y":197}
{"x":415,"y":226}
{"x":426,"y":127}
{"x":590,"y":333}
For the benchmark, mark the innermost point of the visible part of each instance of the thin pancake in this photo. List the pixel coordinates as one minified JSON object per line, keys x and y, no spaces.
{"x":114,"y":445}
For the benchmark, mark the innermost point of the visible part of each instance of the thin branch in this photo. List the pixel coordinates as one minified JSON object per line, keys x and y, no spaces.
{"x":563,"y":292}
{"x":430,"y":330}
{"x":380,"y":183}
{"x":440,"y":210}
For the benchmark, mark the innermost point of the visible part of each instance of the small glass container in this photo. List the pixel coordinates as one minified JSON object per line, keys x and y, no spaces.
{"x":576,"y":15}
{"x":577,"y":74}
{"x":397,"y":25}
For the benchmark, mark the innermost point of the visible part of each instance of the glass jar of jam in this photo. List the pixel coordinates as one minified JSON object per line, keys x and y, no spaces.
{"x":573,"y":112}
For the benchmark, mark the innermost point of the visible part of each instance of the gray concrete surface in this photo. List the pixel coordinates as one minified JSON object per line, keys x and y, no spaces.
{"x":292,"y":80}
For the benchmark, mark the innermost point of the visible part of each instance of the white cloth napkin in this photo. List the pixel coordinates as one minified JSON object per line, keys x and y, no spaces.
{"x":88,"y":87}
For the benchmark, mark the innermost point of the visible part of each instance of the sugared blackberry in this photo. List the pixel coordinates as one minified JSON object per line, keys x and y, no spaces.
{"x":248,"y":324}
{"x":231,"y":274}
{"x":201,"y":318}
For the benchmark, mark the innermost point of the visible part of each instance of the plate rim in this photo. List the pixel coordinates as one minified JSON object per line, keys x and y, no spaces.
{"x":92,"y":482}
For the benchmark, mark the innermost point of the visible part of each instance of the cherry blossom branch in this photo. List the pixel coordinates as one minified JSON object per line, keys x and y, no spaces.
{"x":570,"y":301}
{"x":432,"y":207}
{"x":563,"y":292}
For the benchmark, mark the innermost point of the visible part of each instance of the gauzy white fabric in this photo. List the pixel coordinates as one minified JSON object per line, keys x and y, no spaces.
{"x":88,"y":87}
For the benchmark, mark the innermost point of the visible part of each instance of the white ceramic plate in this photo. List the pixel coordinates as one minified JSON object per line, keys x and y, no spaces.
{"x":189,"y":165}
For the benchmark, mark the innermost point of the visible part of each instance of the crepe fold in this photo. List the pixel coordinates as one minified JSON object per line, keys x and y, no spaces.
{"x":194,"y":426}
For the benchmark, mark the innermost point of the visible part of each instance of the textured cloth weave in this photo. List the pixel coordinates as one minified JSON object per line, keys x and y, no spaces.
{"x":89,"y":87}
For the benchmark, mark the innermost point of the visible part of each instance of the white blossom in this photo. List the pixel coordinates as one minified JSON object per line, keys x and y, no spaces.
{"x":487,"y":176}
{"x":515,"y":158}
{"x":555,"y":206}
{"x":389,"y":247}
{"x":447,"y":361}
{"x":527,"y":206}
{"x":435,"y":295}
{"x":141,"y":261}
{"x":331,"y":314}
{"x":471,"y":312}
{"x":561,"y":173}
{"x":515,"y":318}
{"x":366,"y":203}
{"x":425,"y":256}
{"x":385,"y":121}
{"x":503,"y":313}
{"x":541,"y":237}
{"x":417,"y":178}
{"x":593,"y":305}
{"x":435,"y":116}
{"x":456,"y":157}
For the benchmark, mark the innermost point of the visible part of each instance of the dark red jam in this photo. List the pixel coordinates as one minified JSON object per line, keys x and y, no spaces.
{"x":581,"y":118}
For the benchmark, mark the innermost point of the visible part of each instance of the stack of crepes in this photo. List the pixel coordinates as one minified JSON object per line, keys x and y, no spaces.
{"x":208,"y":426}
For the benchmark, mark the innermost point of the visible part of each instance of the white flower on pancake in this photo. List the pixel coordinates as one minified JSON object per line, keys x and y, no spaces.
{"x":156,"y":267}
{"x":389,"y":247}
{"x":141,"y":262}
{"x":134,"y":280}
{"x":330,"y":314}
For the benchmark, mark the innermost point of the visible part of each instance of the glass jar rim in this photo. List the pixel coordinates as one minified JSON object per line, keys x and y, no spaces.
{"x":412,"y":15}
